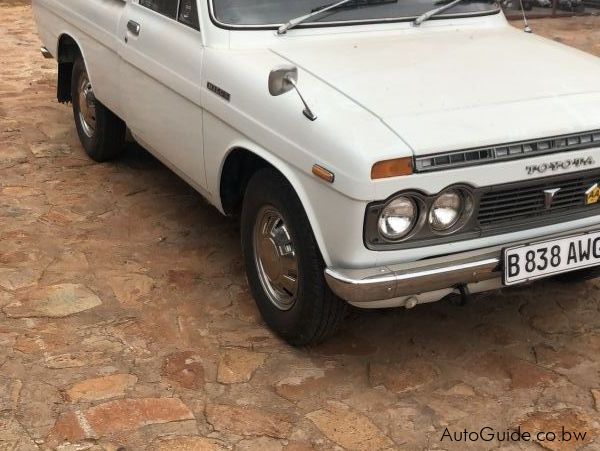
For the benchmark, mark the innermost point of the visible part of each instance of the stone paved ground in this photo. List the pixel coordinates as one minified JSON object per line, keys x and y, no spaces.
{"x":126,"y":322}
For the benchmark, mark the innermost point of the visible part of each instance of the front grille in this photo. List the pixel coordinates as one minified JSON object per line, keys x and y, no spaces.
{"x":523,"y":202}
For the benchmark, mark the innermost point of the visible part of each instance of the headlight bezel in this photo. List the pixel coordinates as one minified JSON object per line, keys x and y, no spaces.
{"x":421,"y":233}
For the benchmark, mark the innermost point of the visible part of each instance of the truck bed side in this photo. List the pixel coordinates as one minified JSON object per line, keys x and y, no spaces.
{"x":93,"y":25}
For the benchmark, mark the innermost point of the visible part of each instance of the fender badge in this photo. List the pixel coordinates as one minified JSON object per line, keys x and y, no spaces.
{"x":592,"y":195}
{"x":218,"y":91}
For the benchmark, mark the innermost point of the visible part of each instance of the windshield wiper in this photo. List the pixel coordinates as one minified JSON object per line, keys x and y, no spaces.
{"x":434,"y":12}
{"x":324,"y":8}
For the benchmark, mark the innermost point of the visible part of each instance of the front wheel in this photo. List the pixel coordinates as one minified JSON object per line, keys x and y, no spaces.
{"x":283,"y":263}
{"x":101,"y":132}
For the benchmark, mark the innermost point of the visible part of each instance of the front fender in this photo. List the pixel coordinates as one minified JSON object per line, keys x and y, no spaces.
{"x":345,"y":138}
{"x":224,"y":137}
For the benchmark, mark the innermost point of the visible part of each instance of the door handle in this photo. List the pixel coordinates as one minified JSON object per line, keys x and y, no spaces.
{"x":133,"y":27}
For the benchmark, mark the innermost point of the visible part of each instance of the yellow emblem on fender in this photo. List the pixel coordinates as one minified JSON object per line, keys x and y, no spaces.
{"x":592,"y":195}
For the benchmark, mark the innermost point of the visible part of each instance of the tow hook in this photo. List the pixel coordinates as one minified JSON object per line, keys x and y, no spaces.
{"x":465,"y":294}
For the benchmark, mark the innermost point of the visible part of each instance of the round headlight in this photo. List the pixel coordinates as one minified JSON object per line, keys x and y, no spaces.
{"x":446,"y":210}
{"x":397,"y":218}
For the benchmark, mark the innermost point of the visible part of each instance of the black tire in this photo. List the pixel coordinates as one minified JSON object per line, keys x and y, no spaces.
{"x":316,"y":312}
{"x":579,"y":276}
{"x":527,"y":6}
{"x":107,"y":138}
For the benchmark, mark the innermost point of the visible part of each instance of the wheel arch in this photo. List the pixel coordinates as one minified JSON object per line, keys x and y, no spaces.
{"x":240,"y":163}
{"x":67,"y":50}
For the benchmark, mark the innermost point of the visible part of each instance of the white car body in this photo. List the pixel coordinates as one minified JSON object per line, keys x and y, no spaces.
{"x":380,"y":91}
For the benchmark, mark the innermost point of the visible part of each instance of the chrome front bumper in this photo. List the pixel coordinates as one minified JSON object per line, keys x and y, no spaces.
{"x":388,"y":282}
{"x":360,"y":286}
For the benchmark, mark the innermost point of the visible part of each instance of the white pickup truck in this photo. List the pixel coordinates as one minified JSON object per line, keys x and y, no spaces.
{"x":378,"y":152}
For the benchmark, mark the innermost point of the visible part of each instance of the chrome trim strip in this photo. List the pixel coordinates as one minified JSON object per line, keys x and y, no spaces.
{"x":507,"y":151}
{"x":360,"y":286}
{"x":471,"y":266}
{"x":46,"y":53}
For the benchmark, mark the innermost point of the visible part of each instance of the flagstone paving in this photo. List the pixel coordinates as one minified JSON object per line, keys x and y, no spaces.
{"x":126,"y":322}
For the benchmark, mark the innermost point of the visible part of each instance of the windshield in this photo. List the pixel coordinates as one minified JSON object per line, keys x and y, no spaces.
{"x":268,"y":13}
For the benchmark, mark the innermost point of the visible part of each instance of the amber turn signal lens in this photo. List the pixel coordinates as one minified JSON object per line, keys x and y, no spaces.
{"x":392,"y":168}
{"x":323,"y":173}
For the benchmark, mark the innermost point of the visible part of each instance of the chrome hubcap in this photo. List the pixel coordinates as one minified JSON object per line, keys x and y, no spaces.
{"x":87,"y":106}
{"x":275,"y":258}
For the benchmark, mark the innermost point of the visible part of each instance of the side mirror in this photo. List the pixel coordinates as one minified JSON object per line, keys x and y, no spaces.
{"x":282,"y":80}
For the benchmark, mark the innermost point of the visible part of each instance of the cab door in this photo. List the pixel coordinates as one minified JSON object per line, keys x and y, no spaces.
{"x":160,"y":73}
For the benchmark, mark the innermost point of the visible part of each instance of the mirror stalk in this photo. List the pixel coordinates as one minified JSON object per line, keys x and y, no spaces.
{"x":527,"y":28}
{"x":307,"y":111}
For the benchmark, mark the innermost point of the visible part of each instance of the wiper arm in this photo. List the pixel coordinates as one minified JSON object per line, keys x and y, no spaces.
{"x":434,"y":12}
{"x":321,"y":9}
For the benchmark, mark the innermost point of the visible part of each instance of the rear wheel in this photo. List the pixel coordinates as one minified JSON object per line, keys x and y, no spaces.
{"x":101,"y":133}
{"x":283,"y":263}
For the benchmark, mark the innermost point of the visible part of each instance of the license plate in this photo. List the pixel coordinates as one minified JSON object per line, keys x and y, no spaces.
{"x":537,"y":260}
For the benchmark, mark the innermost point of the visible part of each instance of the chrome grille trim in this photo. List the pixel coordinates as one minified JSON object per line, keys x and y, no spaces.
{"x":509,"y":151}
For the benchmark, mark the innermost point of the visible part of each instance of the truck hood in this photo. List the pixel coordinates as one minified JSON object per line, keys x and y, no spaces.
{"x":456,"y":89}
